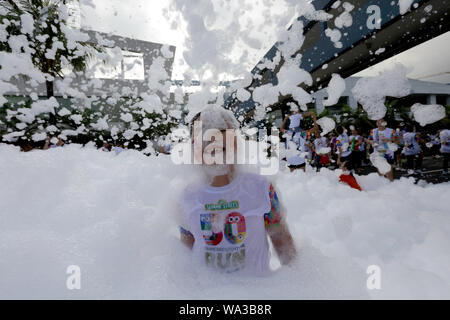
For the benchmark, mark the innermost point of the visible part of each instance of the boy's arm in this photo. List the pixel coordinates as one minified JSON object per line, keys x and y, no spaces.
{"x":282,"y":129}
{"x":313,"y":115}
{"x":282,"y":242}
{"x":310,"y":114}
{"x":186,"y":237}
{"x":278,"y":231}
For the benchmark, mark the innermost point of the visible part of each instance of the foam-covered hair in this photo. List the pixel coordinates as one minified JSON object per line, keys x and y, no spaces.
{"x":215,"y":117}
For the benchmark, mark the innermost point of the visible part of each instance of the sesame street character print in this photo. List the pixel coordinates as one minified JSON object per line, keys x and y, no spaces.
{"x":211,"y":228}
{"x":235,"y":229}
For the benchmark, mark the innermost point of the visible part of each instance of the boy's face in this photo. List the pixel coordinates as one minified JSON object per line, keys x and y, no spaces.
{"x":215,"y":149}
{"x":227,"y":142}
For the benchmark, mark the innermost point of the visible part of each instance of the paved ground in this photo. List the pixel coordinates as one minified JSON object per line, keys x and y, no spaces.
{"x":431,"y":171}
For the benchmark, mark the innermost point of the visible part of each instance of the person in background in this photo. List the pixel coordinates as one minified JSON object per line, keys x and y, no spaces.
{"x":166,"y":149}
{"x":106,"y":147}
{"x":357,"y":148}
{"x":333,"y":148}
{"x":363,"y":150}
{"x":444,"y":136}
{"x":400,"y":131}
{"x":347,"y":177}
{"x":435,"y":144}
{"x":343,"y":147}
{"x":296,"y":152}
{"x":412,"y":150}
{"x":320,"y":158}
{"x":295,"y":120}
{"x":118,"y":148}
{"x":47,"y":145}
{"x":382,"y":138}
{"x":25,"y":145}
{"x":167,"y":145}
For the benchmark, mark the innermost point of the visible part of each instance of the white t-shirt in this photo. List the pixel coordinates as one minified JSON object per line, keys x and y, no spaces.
{"x":320,"y":143}
{"x":295,"y":120}
{"x":445,"y":141}
{"x":411,"y":145}
{"x":228,"y":224}
{"x":380,"y":138}
{"x":343,"y":142}
{"x":434,"y":139}
{"x":301,"y":147}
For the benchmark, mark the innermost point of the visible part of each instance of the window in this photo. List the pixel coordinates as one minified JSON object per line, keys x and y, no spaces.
{"x":133,"y":65}
{"x":130,"y":67}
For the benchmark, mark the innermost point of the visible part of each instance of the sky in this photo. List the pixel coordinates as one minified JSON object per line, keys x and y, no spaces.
{"x":223,"y":39}
{"x":428,"y":61}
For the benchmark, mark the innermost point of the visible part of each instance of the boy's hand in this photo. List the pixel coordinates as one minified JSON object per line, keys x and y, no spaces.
{"x":187,"y":238}
{"x":282,"y":242}
{"x":278,"y":230}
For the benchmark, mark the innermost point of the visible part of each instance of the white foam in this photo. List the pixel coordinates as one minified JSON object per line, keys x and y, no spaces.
{"x":116,"y":217}
{"x":428,"y":114}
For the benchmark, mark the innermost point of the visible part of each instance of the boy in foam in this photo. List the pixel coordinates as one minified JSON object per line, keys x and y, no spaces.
{"x":227,"y":221}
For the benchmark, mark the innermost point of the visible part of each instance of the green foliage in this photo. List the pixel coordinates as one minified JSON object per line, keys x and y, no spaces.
{"x":78,"y":125}
{"x":50,"y":34}
{"x":52,"y":48}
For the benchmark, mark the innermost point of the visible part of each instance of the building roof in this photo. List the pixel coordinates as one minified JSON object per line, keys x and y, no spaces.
{"x":417,"y":87}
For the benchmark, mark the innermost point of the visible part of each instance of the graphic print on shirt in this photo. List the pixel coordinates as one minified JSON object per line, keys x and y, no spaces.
{"x":213,"y":227}
{"x":235,"y":229}
{"x":228,"y":260}
{"x":212,"y":233}
{"x":410,"y":140}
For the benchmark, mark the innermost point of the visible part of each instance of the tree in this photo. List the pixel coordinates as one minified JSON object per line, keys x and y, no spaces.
{"x":52,"y":44}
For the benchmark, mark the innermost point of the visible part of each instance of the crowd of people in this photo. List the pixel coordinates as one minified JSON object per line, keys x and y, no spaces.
{"x":402,"y":148}
{"x":348,"y":148}
{"x":58,"y":142}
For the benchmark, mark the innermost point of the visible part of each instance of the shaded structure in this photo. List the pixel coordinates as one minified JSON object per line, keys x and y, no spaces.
{"x":378,"y":31}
